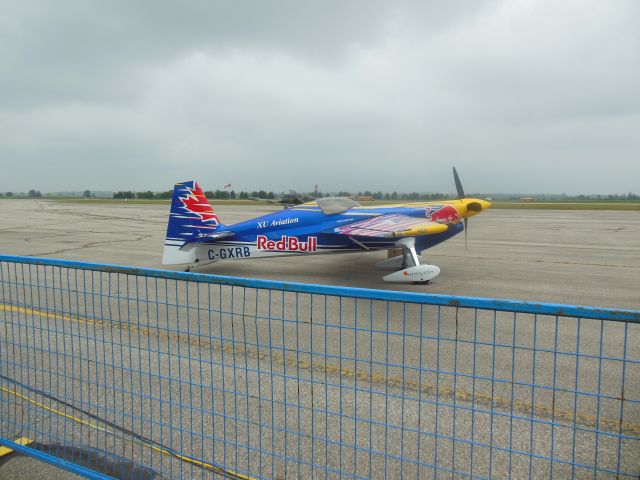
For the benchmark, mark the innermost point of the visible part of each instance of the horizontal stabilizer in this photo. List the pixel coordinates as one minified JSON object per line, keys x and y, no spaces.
{"x":209,"y":237}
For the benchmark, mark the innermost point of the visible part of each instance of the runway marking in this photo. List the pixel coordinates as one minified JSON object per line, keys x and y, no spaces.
{"x":147,"y":444}
{"x":24,"y":441}
{"x":442,"y":390}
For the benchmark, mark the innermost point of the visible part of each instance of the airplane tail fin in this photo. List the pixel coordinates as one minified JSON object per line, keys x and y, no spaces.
{"x":191,"y":216}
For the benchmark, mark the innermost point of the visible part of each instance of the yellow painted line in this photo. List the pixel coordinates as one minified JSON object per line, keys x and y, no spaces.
{"x":151,"y":446}
{"x":45,"y":314}
{"x":442,"y":389}
{"x":53,"y":410}
{"x":24,"y":441}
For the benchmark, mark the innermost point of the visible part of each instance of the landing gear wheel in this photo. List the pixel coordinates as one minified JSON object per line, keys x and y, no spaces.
{"x":412,"y":271}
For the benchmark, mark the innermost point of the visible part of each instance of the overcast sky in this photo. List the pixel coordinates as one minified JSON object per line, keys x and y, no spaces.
{"x":521,"y":96}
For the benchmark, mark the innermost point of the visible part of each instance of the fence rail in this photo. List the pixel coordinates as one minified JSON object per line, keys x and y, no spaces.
{"x":141,"y":373}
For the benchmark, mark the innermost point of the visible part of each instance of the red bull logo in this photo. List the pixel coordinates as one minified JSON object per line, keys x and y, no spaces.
{"x":287,"y":244}
{"x":446,"y":214}
{"x":196,"y":202}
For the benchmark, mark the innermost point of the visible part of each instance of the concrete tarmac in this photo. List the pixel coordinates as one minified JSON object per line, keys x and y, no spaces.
{"x":575,"y":257}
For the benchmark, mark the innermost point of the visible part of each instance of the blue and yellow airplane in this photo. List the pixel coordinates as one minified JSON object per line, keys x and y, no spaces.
{"x":196,"y":236}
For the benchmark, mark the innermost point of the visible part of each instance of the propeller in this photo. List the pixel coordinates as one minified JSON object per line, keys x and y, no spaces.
{"x":472,"y":205}
{"x":466,"y":222}
{"x":461,"y":196}
{"x":459,"y":188}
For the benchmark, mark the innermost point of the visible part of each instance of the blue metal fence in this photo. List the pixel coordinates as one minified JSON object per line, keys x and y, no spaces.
{"x":140,"y":373}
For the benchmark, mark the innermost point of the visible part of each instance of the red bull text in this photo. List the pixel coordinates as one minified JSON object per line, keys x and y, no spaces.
{"x":287,"y":244}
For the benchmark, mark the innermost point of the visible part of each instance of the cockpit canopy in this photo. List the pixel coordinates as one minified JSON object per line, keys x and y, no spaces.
{"x":331,"y":205}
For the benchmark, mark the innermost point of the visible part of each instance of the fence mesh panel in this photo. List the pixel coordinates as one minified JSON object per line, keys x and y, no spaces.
{"x":143,"y":374}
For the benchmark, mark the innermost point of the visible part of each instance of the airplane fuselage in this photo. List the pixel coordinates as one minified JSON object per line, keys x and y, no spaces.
{"x":196,"y":235}
{"x":306,"y":229}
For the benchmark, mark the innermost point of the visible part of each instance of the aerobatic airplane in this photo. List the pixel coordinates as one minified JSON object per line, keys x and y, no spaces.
{"x":196,"y":236}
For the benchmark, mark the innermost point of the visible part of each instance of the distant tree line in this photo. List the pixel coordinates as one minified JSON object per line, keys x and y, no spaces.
{"x":31,"y":194}
{"x":628,"y":196}
{"x":148,"y":195}
{"x":578,"y":198}
{"x":379,"y":195}
{"x":211,"y":194}
{"x":263,"y":194}
{"x":397,"y":196}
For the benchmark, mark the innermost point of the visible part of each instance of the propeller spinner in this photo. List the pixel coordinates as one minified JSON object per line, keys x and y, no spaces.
{"x":474,"y":206}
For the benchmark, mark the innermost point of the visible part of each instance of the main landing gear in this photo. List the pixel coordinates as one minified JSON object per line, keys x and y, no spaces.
{"x":408,"y":265}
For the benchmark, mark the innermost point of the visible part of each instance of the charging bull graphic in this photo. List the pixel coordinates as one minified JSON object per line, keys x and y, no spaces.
{"x":445,"y":214}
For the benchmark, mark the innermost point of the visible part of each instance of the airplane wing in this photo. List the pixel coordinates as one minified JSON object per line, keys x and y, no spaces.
{"x":392,"y":225}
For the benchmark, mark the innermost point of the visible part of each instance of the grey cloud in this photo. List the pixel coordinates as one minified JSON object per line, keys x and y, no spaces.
{"x":521,"y":96}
